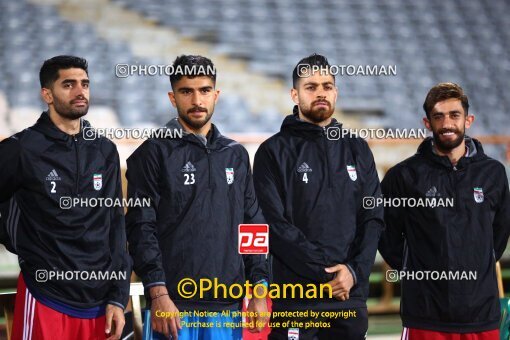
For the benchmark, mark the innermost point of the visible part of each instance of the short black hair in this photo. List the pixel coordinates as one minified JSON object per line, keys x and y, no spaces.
{"x":192,"y":66}
{"x":49,"y":70}
{"x":445,"y":91}
{"x":304,"y":66}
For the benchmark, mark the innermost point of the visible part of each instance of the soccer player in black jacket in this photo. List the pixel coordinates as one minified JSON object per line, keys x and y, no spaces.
{"x":457,"y":245}
{"x":74,"y":263}
{"x":201,"y":189}
{"x":310,"y":181}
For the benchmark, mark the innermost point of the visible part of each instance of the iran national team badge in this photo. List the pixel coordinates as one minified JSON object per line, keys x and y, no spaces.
{"x":98,"y":181}
{"x":351,"y":169}
{"x":230,"y":175}
{"x":478,"y":194}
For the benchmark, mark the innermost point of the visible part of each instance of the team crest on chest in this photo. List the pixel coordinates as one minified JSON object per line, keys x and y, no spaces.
{"x":351,"y":170}
{"x":478,"y":195}
{"x":230,"y":175}
{"x":98,"y":181}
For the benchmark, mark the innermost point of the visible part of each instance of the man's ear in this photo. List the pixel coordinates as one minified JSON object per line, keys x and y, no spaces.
{"x":426,"y":122}
{"x":469,"y":121}
{"x":294,"y":96}
{"x":171,"y":96}
{"x":46,"y":95}
{"x":216,"y":96}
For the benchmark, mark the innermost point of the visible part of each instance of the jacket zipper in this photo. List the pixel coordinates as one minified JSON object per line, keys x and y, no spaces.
{"x":406,"y":254}
{"x":325,"y":142}
{"x":208,"y":152}
{"x":453,"y":180}
{"x":455,"y":186}
{"x":75,"y":142}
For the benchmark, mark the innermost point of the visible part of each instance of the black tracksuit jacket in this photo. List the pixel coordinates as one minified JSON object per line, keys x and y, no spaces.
{"x":190,"y":229}
{"x":468,"y":237}
{"x":317,"y":220}
{"x":38,"y":167}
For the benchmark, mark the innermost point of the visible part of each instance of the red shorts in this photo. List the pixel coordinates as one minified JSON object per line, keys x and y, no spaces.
{"x":33,"y":320}
{"x":423,"y":334}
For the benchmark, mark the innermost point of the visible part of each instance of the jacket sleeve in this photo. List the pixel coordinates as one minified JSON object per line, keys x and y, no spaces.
{"x":119,"y":293}
{"x":286,"y":241}
{"x":501,"y":224}
{"x":256,"y":265}
{"x":391,"y":245}
{"x":10,"y":172}
{"x":143,"y":176}
{"x":370,"y":222}
{"x":10,"y":168}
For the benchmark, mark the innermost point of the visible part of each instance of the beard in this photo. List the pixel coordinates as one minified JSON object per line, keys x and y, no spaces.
{"x":66,"y":110}
{"x":448,"y":145}
{"x":320,"y":114}
{"x":196,"y":124}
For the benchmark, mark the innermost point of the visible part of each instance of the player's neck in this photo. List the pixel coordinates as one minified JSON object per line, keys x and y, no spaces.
{"x":454,"y":154}
{"x":321,"y":124}
{"x":204,"y":130}
{"x":69,"y":126}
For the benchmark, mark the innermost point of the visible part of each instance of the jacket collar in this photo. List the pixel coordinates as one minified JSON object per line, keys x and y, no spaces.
{"x":48,"y":128}
{"x":292,"y":123}
{"x":474,"y":152}
{"x":213,"y":139}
